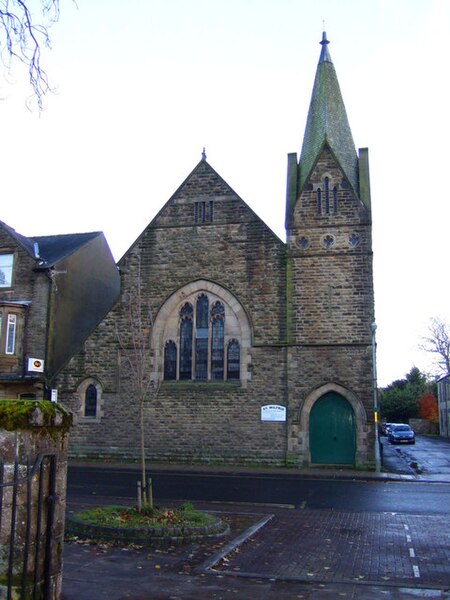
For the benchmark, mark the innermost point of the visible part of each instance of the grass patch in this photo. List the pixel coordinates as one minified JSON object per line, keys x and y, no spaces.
{"x":130,"y":517}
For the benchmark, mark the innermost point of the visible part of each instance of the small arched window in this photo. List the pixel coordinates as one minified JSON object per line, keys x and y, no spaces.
{"x":90,"y":401}
{"x":170,"y":360}
{"x":327,"y":196}
{"x":233,"y":360}
{"x":327,"y":199}
{"x":90,"y":394}
{"x":319,"y":201}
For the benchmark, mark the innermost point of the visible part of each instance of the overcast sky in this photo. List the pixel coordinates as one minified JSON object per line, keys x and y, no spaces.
{"x":144,"y":85}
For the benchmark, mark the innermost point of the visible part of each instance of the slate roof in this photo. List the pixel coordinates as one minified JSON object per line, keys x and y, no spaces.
{"x":52,"y":248}
{"x":327,"y":123}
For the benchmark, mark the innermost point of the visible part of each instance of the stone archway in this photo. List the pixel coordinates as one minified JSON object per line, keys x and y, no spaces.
{"x":332,"y":432}
{"x":360,"y":422}
{"x":166,"y":324}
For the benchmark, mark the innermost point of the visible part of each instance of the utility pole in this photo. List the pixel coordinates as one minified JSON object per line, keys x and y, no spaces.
{"x":373,"y":329}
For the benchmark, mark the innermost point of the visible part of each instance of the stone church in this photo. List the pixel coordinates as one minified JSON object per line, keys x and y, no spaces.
{"x":259,"y":350}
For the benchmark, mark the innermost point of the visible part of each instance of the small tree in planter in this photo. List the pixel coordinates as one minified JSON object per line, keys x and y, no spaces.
{"x":136,"y":354}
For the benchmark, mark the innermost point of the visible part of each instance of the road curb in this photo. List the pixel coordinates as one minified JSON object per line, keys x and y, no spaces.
{"x":207,"y":565}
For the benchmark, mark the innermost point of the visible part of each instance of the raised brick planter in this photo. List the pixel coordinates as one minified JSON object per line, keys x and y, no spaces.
{"x":147,"y":536}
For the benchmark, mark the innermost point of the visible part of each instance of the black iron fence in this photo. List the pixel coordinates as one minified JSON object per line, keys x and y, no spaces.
{"x":27,"y":506}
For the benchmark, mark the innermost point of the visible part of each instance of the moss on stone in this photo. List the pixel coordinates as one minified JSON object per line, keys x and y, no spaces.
{"x":30,"y":414}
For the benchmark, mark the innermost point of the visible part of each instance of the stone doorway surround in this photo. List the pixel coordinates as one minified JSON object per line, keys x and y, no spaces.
{"x":302,"y":429}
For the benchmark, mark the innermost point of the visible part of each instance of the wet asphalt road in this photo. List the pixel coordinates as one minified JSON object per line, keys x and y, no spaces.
{"x":289,"y":488}
{"x":355,"y":537}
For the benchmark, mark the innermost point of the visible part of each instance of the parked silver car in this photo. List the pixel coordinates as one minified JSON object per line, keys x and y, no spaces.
{"x":400,"y":433}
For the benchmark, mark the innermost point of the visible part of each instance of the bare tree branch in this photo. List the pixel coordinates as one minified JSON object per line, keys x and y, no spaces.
{"x":135,"y":345}
{"x":25,"y":34}
{"x":438,"y":343}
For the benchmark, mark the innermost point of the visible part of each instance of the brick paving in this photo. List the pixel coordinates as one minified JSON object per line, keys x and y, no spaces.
{"x":313,"y":545}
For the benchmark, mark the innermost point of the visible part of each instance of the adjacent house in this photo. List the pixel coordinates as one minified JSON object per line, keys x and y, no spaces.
{"x":443,"y":386}
{"x":54,"y":290}
{"x":261,"y":348}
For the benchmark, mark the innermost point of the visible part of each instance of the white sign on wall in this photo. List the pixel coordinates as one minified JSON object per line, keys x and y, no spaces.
{"x":36,"y":365}
{"x":273,"y":412}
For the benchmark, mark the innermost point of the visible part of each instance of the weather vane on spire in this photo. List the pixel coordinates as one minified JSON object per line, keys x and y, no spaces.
{"x":204,"y":153}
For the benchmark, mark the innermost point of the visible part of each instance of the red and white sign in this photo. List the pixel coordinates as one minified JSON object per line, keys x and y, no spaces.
{"x":36,"y":365}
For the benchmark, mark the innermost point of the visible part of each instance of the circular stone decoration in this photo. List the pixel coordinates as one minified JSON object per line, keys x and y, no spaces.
{"x":303,"y":243}
{"x":328,"y":240}
{"x":353,"y":240}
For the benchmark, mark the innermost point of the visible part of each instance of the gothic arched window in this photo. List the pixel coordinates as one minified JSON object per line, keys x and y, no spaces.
{"x":90,"y":401}
{"x":233,"y":360}
{"x":327,"y":196}
{"x":217,"y":348}
{"x":202,"y":353}
{"x":170,"y":360}
{"x":201,"y":338}
{"x":186,"y":327}
{"x":319,"y":201}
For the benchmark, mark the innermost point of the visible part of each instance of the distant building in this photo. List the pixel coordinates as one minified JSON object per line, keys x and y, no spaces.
{"x":54,"y":290}
{"x":263,"y":348}
{"x":444,"y":406}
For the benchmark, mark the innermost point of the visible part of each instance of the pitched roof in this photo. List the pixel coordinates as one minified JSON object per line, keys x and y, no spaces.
{"x":53,"y":248}
{"x":50,"y":248}
{"x":327,"y":123}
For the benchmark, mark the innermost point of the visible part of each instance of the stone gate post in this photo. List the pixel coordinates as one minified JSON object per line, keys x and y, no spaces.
{"x":33,"y":469}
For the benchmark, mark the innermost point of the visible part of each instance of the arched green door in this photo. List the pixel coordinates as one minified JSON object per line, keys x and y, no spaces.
{"x":332,"y":433}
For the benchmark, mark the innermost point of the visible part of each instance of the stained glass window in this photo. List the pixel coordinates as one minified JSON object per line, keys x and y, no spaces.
{"x":201,"y":344}
{"x":201,"y":338}
{"x":217,"y":348}
{"x":233,"y":360}
{"x":170,"y":360}
{"x":186,"y":327}
{"x":90,"y":401}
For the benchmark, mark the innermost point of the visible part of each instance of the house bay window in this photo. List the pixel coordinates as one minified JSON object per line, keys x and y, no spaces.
{"x":11,"y":326}
{"x":11,"y":334}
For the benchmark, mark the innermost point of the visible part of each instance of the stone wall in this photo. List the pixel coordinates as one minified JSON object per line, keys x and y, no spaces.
{"x":331,"y":306}
{"x":29,"y":430}
{"x":236,"y":258}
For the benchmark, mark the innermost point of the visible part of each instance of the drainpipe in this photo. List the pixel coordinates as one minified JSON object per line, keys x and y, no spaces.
{"x":373,"y":329}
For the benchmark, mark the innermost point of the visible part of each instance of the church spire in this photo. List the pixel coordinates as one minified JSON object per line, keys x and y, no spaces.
{"x":327,"y":123}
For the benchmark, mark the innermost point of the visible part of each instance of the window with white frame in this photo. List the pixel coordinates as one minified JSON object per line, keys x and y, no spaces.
{"x":11,"y":319}
{"x":6,"y":270}
{"x":11,"y":334}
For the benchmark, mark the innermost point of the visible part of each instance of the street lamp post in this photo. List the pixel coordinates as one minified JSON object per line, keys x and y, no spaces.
{"x":373,"y":329}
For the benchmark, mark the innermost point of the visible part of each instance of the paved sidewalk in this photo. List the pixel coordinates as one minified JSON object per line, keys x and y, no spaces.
{"x":324,"y":546}
{"x":308,"y":554}
{"x":311,"y":554}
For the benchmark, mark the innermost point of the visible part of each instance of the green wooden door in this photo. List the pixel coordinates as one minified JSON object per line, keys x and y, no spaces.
{"x":332,"y":431}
